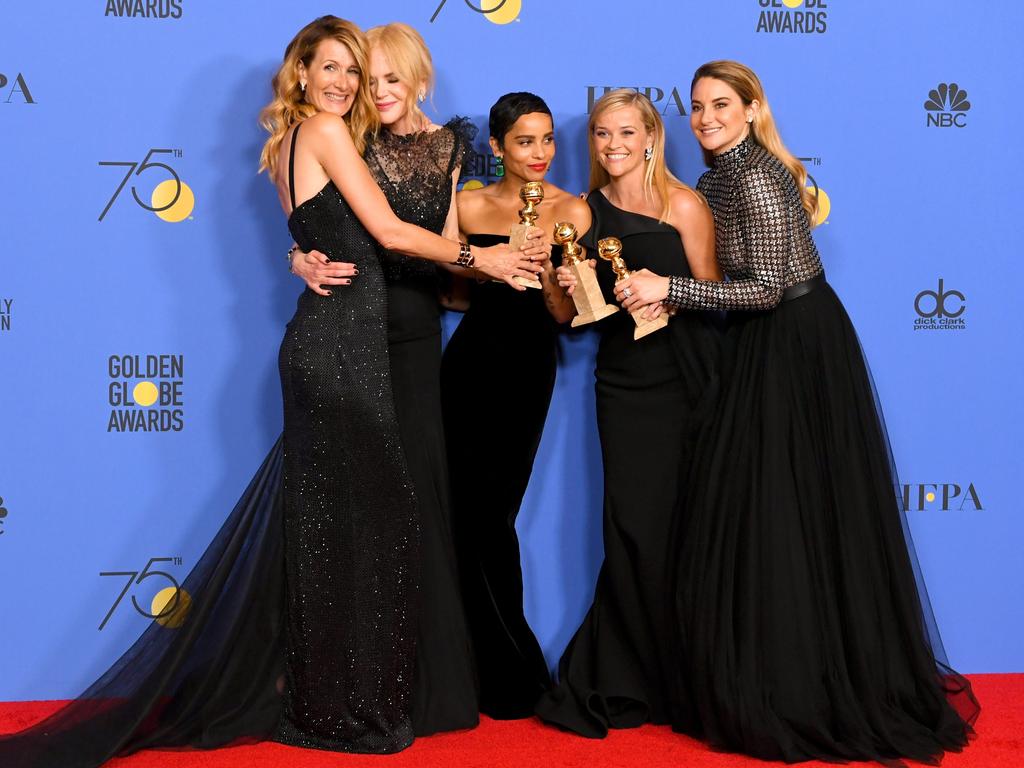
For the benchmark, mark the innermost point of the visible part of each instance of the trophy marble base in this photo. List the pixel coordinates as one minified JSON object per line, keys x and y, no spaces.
{"x":515,"y":241}
{"x":644,"y":327}
{"x":588,"y":298}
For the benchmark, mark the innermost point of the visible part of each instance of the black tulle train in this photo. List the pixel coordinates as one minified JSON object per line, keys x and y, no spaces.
{"x":803,"y":631}
{"x":210,"y":682}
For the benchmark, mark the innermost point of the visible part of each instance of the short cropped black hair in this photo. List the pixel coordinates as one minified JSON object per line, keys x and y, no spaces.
{"x":510,"y":108}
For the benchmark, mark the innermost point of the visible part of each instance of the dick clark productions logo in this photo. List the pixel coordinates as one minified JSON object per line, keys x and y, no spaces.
{"x":940,"y":310}
{"x":145,"y":393}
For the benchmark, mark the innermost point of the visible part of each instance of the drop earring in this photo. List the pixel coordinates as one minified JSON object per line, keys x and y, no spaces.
{"x":499,"y":169}
{"x":648,"y":153}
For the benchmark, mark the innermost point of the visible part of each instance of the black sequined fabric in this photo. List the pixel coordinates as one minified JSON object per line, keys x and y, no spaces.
{"x":763,"y":238}
{"x":351,"y":530}
{"x":415,"y":173}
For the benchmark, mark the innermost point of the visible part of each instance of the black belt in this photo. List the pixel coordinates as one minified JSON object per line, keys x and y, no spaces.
{"x":802,"y":289}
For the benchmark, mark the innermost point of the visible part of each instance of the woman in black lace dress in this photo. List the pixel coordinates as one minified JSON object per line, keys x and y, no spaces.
{"x":653,"y":395}
{"x":342,"y":604}
{"x":803,"y":635}
{"x":506,"y":346}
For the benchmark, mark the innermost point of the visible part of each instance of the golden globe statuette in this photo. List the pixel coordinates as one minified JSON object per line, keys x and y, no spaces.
{"x":531,"y":193}
{"x":610,"y":249}
{"x":589,"y":301}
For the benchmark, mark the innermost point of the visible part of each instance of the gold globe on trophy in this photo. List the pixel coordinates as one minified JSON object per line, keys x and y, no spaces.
{"x":610,"y":249}
{"x":588,"y":298}
{"x":532,"y":194}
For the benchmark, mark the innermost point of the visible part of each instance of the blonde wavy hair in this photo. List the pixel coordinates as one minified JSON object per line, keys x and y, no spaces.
{"x":657,"y":177}
{"x":747,"y":85}
{"x":289,"y":105}
{"x":410,"y":60}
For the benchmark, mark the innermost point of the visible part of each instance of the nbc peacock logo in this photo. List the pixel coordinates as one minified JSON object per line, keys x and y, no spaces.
{"x":495,"y":11}
{"x":947,"y":106}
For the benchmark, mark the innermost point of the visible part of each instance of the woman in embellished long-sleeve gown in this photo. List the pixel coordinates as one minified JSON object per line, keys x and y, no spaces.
{"x":802,"y":632}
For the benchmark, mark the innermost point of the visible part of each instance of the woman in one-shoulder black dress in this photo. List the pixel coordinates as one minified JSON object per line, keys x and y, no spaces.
{"x":803,"y":635}
{"x":505,"y":346}
{"x":653,"y":395}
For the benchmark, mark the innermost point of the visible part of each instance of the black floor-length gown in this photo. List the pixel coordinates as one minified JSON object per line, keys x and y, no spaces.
{"x":653,"y":395}
{"x":802,"y":632}
{"x":504,"y":351}
{"x":326,"y":612}
{"x":415,"y":173}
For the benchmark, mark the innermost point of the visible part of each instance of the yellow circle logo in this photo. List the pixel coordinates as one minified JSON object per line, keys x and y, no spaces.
{"x":145,"y":393}
{"x":164,"y":194}
{"x":501,"y":11}
{"x":793,"y":3}
{"x":176,"y":602}
{"x":824,"y":207}
{"x":930,"y":496}
{"x":473,"y":184}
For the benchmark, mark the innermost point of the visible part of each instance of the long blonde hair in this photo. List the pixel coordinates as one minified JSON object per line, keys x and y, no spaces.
{"x":410,"y":60}
{"x":747,"y":85}
{"x":657,"y":177}
{"x":289,"y":105}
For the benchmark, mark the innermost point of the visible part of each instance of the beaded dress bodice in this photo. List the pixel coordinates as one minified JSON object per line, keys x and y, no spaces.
{"x":762,"y":234}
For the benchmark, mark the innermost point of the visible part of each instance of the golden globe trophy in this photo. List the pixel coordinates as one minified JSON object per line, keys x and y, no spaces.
{"x":589,"y":301}
{"x":531,"y":193}
{"x":610,"y":249}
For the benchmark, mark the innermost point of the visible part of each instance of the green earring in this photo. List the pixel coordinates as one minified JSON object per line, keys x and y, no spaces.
{"x":499,"y":169}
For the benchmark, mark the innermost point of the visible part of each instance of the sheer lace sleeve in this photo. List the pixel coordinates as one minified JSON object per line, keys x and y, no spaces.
{"x":765,"y":208}
{"x":463,"y":132}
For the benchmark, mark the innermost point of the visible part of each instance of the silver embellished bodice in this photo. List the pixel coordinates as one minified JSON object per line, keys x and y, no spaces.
{"x":762,"y":235}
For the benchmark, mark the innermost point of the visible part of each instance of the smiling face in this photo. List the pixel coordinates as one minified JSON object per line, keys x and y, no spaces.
{"x":718,"y":117}
{"x":392,"y":96}
{"x":332,"y":78}
{"x":620,"y":141}
{"x":528,"y":147}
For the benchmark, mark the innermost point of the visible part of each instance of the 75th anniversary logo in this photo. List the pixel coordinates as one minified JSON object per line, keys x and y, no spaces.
{"x":169,"y":198}
{"x":496,"y":11}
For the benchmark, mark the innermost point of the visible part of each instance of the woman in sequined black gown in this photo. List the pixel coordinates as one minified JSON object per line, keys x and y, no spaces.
{"x":505,"y":345}
{"x":653,"y":395}
{"x":802,"y":631}
{"x":338,"y":592}
{"x":417,"y":165}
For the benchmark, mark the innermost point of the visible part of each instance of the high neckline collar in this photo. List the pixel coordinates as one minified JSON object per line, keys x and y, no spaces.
{"x":734,"y":157}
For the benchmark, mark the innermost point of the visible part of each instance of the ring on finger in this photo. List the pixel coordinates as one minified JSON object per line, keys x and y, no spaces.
{"x":626,"y":293}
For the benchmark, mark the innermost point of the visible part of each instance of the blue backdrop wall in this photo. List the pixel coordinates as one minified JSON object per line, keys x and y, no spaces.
{"x":138,"y":386}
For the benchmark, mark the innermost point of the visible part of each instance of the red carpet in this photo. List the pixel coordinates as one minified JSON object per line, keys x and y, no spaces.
{"x":529,"y":744}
